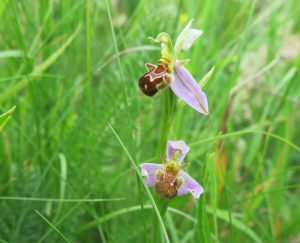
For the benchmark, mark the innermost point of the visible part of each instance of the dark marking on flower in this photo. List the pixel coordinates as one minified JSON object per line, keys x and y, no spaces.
{"x":157,"y":78}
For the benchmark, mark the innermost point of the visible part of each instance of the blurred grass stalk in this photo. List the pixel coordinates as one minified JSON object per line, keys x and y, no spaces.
{"x":4,"y":118}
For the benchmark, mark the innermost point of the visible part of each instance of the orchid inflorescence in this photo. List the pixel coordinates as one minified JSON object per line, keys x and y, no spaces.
{"x":168,"y":178}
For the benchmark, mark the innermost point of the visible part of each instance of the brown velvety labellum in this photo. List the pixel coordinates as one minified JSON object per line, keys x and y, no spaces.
{"x":166,"y":189}
{"x":153,"y":80}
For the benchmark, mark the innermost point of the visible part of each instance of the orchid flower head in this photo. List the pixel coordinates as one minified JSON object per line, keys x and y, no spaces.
{"x":170,"y":71}
{"x":168,"y":178}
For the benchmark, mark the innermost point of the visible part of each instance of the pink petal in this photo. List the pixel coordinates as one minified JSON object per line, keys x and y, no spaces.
{"x":189,"y":185}
{"x":148,"y":172}
{"x":186,"y":88}
{"x":172,"y":146}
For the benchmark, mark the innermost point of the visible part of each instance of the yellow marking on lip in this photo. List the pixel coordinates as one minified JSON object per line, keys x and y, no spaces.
{"x":160,"y":85}
{"x":151,"y":79}
{"x":145,"y":86}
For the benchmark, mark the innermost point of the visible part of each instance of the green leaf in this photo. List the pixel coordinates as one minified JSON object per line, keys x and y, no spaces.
{"x":137,"y":170}
{"x":224,"y":215}
{"x":4,"y":118}
{"x":206,"y":77}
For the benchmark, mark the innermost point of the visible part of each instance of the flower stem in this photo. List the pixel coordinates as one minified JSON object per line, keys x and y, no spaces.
{"x":163,"y":206}
{"x":169,"y":103}
{"x":169,"y":110}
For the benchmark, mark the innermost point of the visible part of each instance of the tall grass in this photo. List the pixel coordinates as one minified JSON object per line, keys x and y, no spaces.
{"x":70,"y":150}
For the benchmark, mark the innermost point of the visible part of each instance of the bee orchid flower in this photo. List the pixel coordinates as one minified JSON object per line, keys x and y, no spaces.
{"x":168,"y":178}
{"x":170,"y":71}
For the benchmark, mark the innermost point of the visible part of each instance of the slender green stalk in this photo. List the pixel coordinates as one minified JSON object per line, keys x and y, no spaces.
{"x":48,"y":222}
{"x":169,"y":103}
{"x":168,"y":113}
{"x":59,"y":200}
{"x":88,"y":63}
{"x":129,"y":117}
{"x":137,"y":170}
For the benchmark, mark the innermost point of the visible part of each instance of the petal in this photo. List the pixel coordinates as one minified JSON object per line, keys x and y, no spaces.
{"x":172,"y":146}
{"x":148,"y":172}
{"x":192,"y":35}
{"x":189,"y":185}
{"x":186,"y":38}
{"x":186,"y":88}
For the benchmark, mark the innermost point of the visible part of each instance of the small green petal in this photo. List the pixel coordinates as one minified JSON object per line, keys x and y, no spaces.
{"x":165,"y":39}
{"x":168,"y":57}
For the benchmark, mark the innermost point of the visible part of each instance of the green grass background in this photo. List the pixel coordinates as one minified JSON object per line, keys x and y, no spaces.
{"x":81,"y":125}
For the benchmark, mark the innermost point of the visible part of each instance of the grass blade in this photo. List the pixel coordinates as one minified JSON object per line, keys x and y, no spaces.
{"x":52,"y":226}
{"x":38,"y":70}
{"x":137,"y":170}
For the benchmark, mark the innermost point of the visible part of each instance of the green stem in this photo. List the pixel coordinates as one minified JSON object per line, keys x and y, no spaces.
{"x":169,"y":110}
{"x":163,"y":207}
{"x":169,"y":103}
